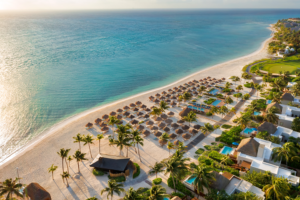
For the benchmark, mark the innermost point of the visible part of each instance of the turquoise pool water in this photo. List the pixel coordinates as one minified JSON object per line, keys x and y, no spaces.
{"x":269,"y":101}
{"x":257,"y":113}
{"x":196,"y":108}
{"x":214,"y":91}
{"x":216,"y":102}
{"x":248,"y":130}
{"x":226,"y":150}
{"x":190,"y":180}
{"x":166,"y":198}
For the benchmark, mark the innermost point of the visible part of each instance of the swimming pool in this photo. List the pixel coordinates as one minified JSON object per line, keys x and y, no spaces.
{"x":190,"y":180}
{"x":214,"y":91}
{"x":166,"y":198}
{"x":269,"y":101}
{"x":226,"y":150}
{"x":257,"y":113}
{"x":216,"y":102}
{"x":248,"y":130}
{"x":196,"y":108}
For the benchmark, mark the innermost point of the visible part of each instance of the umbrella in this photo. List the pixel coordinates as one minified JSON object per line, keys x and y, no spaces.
{"x":126,"y":108}
{"x":148,"y":110}
{"x":132,"y":105}
{"x":89,"y":125}
{"x":179,"y":131}
{"x":105,"y":116}
{"x":193,"y":131}
{"x":139,"y":113}
{"x":146,"y":116}
{"x":151,"y":97}
{"x":176,"y":142}
{"x":113,"y":113}
{"x":235,"y":143}
{"x":168,"y":121}
{"x":152,"y":107}
{"x":135,"y":109}
{"x":163,"y":92}
{"x":98,"y":120}
{"x":173,"y":103}
{"x":164,"y":116}
{"x":154,"y":128}
{"x":162,"y":142}
{"x":175,"y":88}
{"x":186,"y":136}
{"x":208,"y":77}
{"x":168,"y":101}
{"x":197,"y":126}
{"x":143,"y":106}
{"x":121,"y":122}
{"x":156,"y":101}
{"x":127,"y":113}
{"x":134,"y":122}
{"x":174,"y":125}
{"x":102,"y":124}
{"x":138,"y":103}
{"x":161,"y":124}
{"x":119,"y":110}
{"x":140,"y":127}
{"x":131,"y":116}
{"x":158,"y":119}
{"x":157,"y":95}
{"x":172,"y":136}
{"x":146,"y":133}
{"x":119,"y":117}
{"x":223,"y":79}
{"x":166,"y":129}
{"x":168,"y":95}
{"x":180,"y":121}
{"x":185,"y":127}
{"x":105,"y":128}
{"x":170,"y":90}
{"x":200,"y":80}
{"x":170,"y":113}
{"x":149,"y":123}
{"x":157,"y":134}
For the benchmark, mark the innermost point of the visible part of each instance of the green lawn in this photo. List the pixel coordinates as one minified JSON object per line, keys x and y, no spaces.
{"x":289,"y":65}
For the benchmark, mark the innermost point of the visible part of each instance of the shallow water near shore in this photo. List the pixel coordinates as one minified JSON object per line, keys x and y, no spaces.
{"x":57,"y":64}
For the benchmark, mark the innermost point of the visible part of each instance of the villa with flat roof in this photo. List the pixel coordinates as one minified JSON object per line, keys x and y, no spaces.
{"x":255,"y":155}
{"x":285,"y":133}
{"x":287,"y":115}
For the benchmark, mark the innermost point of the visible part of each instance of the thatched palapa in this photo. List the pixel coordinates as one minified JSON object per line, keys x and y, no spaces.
{"x":179,"y":131}
{"x":97,"y":121}
{"x":276,"y":105}
{"x":185,"y":112}
{"x":146,"y":133}
{"x":157,"y":134}
{"x":113,"y":113}
{"x":248,"y":146}
{"x":267,"y":126}
{"x":134,"y":122}
{"x":149,"y":123}
{"x":89,"y":125}
{"x":186,"y":136}
{"x":172,"y":136}
{"x":166,"y":129}
{"x":105,"y":116}
{"x":185,"y":127}
{"x":37,"y":192}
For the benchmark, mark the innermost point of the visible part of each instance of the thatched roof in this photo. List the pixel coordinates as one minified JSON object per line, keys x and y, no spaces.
{"x":150,"y":123}
{"x":158,"y":119}
{"x":102,"y":124}
{"x":248,"y":146}
{"x":186,"y":136}
{"x":138,"y":103}
{"x":105,"y":128}
{"x":197,"y":126}
{"x":287,"y":97}
{"x":162,"y":142}
{"x":119,"y":110}
{"x":98,"y":120}
{"x":164,"y":116}
{"x":132,"y":105}
{"x":193,"y":131}
{"x":113,"y":113}
{"x":143,"y":106}
{"x":179,"y":131}
{"x":146,"y":116}
{"x":126,"y":107}
{"x":185,"y":112}
{"x":105,"y":116}
{"x":148,"y":109}
{"x":176,"y":142}
{"x":173,"y":136}
{"x":157,"y":133}
{"x":168,"y":121}
{"x":146,"y":132}
{"x":185,"y":127}
{"x":131,"y":116}
{"x":136,"y":109}
{"x":161,"y":124}
{"x":119,"y":117}
{"x":220,"y":182}
{"x":275,"y":104}
{"x":134,"y":121}
{"x":89,"y":125}
{"x":267,"y":126}
{"x":166,"y":129}
{"x":180,"y":121}
{"x":154,"y":128}
{"x":139,"y":113}
{"x":174,"y":125}
{"x":37,"y":192}
{"x":140,"y":127}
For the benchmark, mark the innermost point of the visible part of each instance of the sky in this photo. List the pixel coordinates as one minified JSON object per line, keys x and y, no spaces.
{"x":142,"y":4}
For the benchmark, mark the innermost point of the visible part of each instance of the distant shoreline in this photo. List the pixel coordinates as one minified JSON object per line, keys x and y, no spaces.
{"x":116,"y":104}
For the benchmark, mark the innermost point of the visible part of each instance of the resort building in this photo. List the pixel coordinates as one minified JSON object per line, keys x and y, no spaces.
{"x":285,"y":133}
{"x":36,"y":192}
{"x":287,"y":115}
{"x":254,"y":154}
{"x":287,"y":98}
{"x":274,"y":104}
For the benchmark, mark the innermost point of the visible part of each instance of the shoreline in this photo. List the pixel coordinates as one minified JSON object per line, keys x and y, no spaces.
{"x":72,"y":119}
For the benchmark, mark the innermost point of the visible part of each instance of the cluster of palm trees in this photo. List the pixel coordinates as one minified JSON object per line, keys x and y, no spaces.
{"x":11,"y":187}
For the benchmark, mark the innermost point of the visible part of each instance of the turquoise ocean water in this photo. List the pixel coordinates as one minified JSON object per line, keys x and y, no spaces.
{"x":54,"y":65}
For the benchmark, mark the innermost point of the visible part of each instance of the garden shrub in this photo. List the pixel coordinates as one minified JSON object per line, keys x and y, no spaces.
{"x":248,"y":85}
{"x":215,"y":155}
{"x":199,"y":151}
{"x":221,"y":145}
{"x":118,"y":179}
{"x":215,"y":148}
{"x":226,"y":126}
{"x":213,"y":143}
{"x":232,"y":171}
{"x":179,"y":186}
{"x":209,"y":101}
{"x":138,"y":171}
{"x":157,"y":181}
{"x":207,"y":147}
{"x":178,"y":194}
{"x":98,"y":172}
{"x":233,"y":135}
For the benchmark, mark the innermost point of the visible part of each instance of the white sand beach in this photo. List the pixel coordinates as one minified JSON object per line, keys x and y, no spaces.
{"x":36,"y":158}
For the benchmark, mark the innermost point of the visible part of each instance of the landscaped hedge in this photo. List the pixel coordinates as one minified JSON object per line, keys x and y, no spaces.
{"x":221,"y":145}
{"x":233,"y":135}
{"x":118,"y":179}
{"x":157,"y":181}
{"x":199,"y":151}
{"x":226,"y":126}
{"x":138,"y":171}
{"x":178,"y":194}
{"x":209,"y":101}
{"x":98,"y":172}
{"x":207,"y":147}
{"x":179,"y":186}
{"x":215,"y":155}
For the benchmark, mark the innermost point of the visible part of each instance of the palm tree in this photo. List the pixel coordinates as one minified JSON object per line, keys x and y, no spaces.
{"x":239,"y":87}
{"x":156,"y":168}
{"x":112,"y":122}
{"x":213,"y":110}
{"x":10,"y":187}
{"x":232,"y":110}
{"x":157,"y":192}
{"x":278,"y":189}
{"x":88,"y":140}
{"x":121,"y":142}
{"x":163,"y":106}
{"x":207,"y":128}
{"x":243,"y":120}
{"x":186,"y":96}
{"x":52,"y":169}
{"x":163,"y":139}
{"x":227,"y":85}
{"x":65,"y":175}
{"x":139,"y":141}
{"x":170,"y":146}
{"x":228,"y":100}
{"x":113,"y":187}
{"x":63,"y":153}
{"x":134,"y":133}
{"x":225,"y":160}
{"x":287,"y":151}
{"x":77,"y":139}
{"x":201,"y":89}
{"x":79,"y":157}
{"x":155,"y":111}
{"x":99,"y":138}
{"x":69,"y":159}
{"x":203,"y":176}
{"x":132,"y":194}
{"x":92,"y":198}
{"x":271,"y":115}
{"x":223,"y":110}
{"x":235,"y":79}
{"x":181,"y":147}
{"x":191,"y":117}
{"x":66,"y":156}
{"x":258,"y":88}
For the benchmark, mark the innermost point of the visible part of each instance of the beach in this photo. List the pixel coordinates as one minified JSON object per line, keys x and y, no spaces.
{"x":34,"y":159}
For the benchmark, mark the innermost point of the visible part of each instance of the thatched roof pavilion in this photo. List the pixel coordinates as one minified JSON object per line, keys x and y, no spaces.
{"x":287,"y":97}
{"x":267,"y":126}
{"x":275,"y":104}
{"x":37,"y":192}
{"x":185,"y":112}
{"x":220,"y":182}
{"x":248,"y":146}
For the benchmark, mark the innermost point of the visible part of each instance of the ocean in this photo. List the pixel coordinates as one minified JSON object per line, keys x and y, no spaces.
{"x":56,"y":64}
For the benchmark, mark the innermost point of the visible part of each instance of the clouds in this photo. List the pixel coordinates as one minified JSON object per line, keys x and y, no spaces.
{"x":147,"y":4}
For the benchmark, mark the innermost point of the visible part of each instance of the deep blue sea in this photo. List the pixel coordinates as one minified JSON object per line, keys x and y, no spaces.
{"x":56,"y":64}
